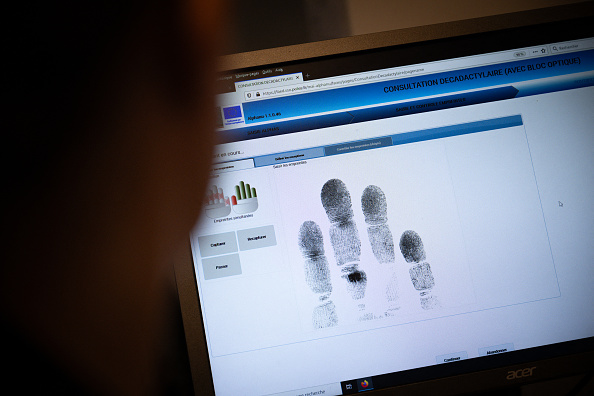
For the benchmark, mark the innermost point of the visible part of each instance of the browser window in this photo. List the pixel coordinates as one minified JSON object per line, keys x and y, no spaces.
{"x":347,"y":214}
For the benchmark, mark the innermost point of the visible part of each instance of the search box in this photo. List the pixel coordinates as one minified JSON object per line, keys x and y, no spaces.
{"x":571,"y":46}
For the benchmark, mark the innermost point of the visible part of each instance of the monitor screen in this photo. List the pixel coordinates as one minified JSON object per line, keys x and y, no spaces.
{"x":399,"y":214}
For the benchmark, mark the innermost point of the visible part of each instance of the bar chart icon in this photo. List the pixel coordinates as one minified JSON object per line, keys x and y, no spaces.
{"x":245,"y":199}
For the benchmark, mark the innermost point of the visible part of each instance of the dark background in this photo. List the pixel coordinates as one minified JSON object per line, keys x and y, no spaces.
{"x":264,"y":24}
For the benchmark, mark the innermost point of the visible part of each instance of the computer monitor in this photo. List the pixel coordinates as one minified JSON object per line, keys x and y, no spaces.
{"x":408,"y":210}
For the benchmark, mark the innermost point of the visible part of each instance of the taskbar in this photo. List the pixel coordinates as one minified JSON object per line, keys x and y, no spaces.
{"x":495,"y":367}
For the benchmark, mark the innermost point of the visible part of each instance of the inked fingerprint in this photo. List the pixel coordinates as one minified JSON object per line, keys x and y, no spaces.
{"x":344,"y":235}
{"x":324,"y":316}
{"x":373,"y":203}
{"x":345,"y":242}
{"x":392,"y":288}
{"x":311,"y":241}
{"x":429,"y":302}
{"x":382,"y":243}
{"x":375,"y":210}
{"x":421,"y":276}
{"x":411,"y":247}
{"x":317,"y":270}
{"x":356,"y":281}
{"x":317,"y":273}
{"x":337,"y":201}
{"x":344,"y":238}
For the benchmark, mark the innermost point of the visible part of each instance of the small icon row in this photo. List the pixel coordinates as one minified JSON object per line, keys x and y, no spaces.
{"x":250,"y":95}
{"x":355,"y":386}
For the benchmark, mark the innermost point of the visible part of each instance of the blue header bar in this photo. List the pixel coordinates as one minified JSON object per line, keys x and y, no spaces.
{"x":414,"y":87}
{"x":368,"y":114}
{"x":457,"y":130}
{"x":387,"y":141}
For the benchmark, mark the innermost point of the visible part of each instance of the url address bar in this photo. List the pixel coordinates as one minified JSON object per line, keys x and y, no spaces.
{"x":330,"y":83}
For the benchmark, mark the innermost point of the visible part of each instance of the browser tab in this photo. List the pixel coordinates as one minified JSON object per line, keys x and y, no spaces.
{"x":232,"y":166}
{"x":268,"y":82}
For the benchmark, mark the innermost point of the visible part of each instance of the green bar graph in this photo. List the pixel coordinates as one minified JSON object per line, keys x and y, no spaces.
{"x":245,"y":191}
{"x":242,"y":187}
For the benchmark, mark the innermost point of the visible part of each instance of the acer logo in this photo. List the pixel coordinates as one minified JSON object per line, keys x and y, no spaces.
{"x":521,"y":373}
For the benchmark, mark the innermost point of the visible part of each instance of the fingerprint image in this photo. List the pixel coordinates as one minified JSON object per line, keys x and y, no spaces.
{"x":429,"y":302}
{"x":356,"y":281}
{"x":411,"y":247}
{"x":421,"y":276}
{"x":346,"y":245}
{"x":382,"y":243}
{"x":375,"y":209}
{"x":344,"y":235}
{"x":311,"y":241}
{"x":324,"y":315}
{"x":337,"y":201}
{"x":374,"y":206}
{"x":392,"y":289}
{"x":344,"y":238}
{"x":317,"y":271}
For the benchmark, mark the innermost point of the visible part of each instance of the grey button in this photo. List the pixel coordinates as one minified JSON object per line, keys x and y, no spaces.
{"x":495,"y":349}
{"x":358,"y":146}
{"x":451,"y":357}
{"x":219,"y":267}
{"x":212,"y":245}
{"x":255,"y":238}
